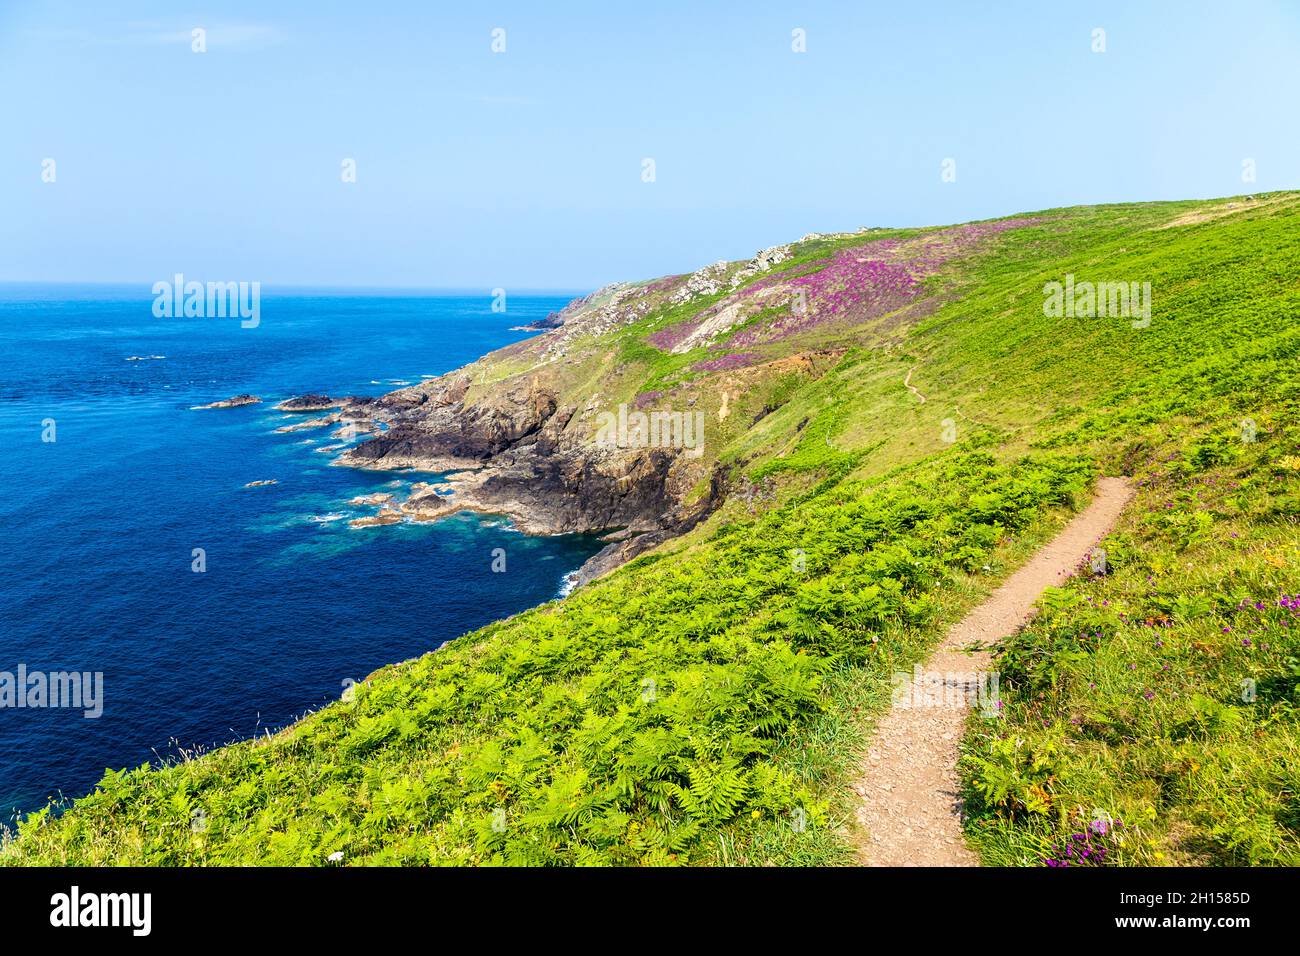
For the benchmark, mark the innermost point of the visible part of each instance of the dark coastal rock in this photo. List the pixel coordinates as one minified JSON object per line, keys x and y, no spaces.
{"x":515,"y":450}
{"x":445,"y":434}
{"x":568,"y":491}
{"x":307,"y":403}
{"x":523,"y":446}
{"x":614,"y":555}
{"x":552,"y":321}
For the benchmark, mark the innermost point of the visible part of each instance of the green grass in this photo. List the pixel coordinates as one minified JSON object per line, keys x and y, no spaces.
{"x":707,"y":703}
{"x":638,"y":722}
{"x":1149,"y":693}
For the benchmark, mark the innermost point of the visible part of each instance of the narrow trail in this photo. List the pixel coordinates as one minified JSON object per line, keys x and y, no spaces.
{"x":907,"y":381}
{"x":910,"y":808}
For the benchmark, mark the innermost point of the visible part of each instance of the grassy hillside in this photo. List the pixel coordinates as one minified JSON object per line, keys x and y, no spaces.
{"x":707,"y":702}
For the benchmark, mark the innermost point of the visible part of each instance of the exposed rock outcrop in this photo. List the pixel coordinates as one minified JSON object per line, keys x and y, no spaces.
{"x":233,"y":402}
{"x":307,"y":403}
{"x":385,"y":516}
{"x":517,"y":450}
{"x":309,"y":423}
{"x":763,"y":260}
{"x":378,"y":498}
{"x":704,"y":281}
{"x":553,"y":320}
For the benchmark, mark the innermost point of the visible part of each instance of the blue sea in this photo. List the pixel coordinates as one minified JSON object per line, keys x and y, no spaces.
{"x":100,"y":525}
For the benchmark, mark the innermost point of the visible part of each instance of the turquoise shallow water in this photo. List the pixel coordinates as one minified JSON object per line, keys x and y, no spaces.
{"x":100,"y":525}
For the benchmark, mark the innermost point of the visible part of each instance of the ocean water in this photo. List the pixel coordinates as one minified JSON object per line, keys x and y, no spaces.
{"x":100,"y":525}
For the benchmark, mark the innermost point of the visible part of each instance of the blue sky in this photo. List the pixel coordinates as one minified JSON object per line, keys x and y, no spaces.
{"x":523,"y":169}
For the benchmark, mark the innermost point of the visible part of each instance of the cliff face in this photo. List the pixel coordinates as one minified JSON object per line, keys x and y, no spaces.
{"x":520,"y":450}
{"x":634,"y":413}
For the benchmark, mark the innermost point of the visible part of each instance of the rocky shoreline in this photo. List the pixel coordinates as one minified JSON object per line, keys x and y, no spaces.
{"x":514,"y":452}
{"x":517,"y":433}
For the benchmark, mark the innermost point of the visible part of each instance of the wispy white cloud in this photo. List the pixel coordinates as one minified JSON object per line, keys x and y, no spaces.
{"x":219,"y":35}
{"x":228,"y":36}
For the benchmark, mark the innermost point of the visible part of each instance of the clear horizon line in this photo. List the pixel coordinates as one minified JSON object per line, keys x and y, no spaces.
{"x":314,"y":287}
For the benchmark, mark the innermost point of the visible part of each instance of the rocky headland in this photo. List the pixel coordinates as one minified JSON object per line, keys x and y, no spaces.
{"x":515,"y":433}
{"x":517,"y":449}
{"x":526,"y":431}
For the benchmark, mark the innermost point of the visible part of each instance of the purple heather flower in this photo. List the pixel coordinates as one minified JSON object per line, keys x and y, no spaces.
{"x":732,"y":360}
